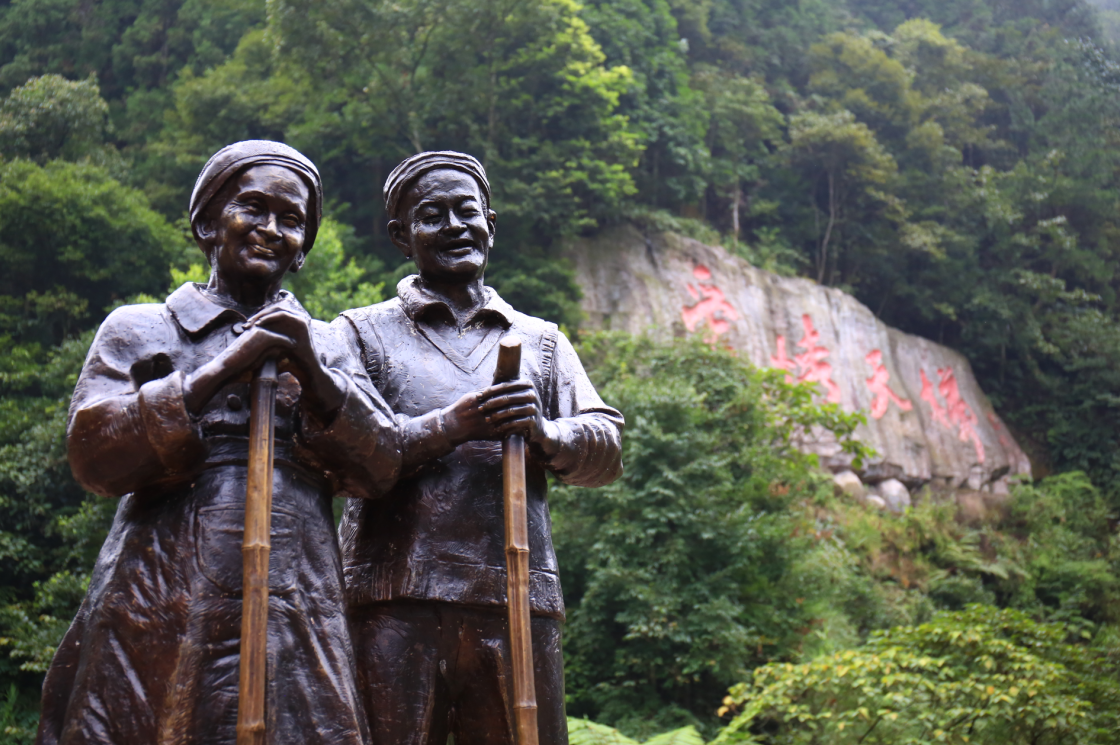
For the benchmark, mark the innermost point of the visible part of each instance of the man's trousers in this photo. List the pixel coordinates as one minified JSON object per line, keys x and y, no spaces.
{"x":429,"y":668}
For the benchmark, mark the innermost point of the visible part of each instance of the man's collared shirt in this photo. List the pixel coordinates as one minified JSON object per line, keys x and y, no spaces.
{"x":439,"y":534}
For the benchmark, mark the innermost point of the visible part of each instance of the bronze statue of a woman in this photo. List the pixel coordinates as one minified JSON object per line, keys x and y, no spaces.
{"x":160,"y":419}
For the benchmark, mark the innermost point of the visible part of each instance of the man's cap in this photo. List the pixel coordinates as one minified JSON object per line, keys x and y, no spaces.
{"x":412,"y":168}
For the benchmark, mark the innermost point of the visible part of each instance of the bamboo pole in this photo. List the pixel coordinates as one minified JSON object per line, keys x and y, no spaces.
{"x":255,"y":547}
{"x":517,"y":559}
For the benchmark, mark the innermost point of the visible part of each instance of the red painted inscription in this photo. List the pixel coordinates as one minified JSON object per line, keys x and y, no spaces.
{"x":879,"y":385}
{"x":955,"y":414}
{"x":709,"y":305}
{"x":810,"y":366}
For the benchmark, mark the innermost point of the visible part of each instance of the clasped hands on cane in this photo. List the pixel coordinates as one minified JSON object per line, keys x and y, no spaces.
{"x":271,"y":333}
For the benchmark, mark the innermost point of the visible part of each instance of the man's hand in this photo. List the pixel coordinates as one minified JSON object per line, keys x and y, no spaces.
{"x":498,"y":411}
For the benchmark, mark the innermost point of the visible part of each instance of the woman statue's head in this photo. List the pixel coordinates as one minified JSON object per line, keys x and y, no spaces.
{"x":255,"y":211}
{"x":438,"y":205}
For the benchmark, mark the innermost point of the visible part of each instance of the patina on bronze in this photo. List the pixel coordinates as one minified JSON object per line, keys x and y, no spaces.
{"x":160,"y":419}
{"x":425,"y":566}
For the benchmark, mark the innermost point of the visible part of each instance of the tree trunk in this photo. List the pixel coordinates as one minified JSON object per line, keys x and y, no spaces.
{"x":833,"y":209}
{"x":735,"y":209}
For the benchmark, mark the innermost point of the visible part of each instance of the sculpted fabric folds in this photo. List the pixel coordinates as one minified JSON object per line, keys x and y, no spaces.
{"x":153,"y":654}
{"x":438,"y":534}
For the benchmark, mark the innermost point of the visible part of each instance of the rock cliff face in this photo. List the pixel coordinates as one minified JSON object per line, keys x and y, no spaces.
{"x":927,"y":418}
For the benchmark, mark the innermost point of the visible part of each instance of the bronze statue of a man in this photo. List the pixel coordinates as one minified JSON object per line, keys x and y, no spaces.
{"x":160,"y":419}
{"x":425,"y":568}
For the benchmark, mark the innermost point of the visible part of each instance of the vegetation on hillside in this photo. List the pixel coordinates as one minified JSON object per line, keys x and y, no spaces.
{"x":953,"y":164}
{"x":722,"y":555}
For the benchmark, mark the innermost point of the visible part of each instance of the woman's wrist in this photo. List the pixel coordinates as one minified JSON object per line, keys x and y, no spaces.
{"x":327,"y":394}
{"x":197,"y":388}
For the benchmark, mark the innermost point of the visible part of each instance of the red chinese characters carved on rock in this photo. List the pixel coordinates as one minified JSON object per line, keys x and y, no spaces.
{"x":956,"y":413}
{"x":879,"y":385}
{"x":709,"y":306}
{"x":810,"y":366}
{"x":999,"y":430}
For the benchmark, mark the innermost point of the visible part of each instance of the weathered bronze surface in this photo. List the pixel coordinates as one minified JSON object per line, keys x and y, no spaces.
{"x":160,"y":418}
{"x":425,"y":566}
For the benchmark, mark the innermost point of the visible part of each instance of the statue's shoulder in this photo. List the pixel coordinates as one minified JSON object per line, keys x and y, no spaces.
{"x":531,"y":323}
{"x":138,"y":321}
{"x":524,"y":324}
{"x":374,"y":315}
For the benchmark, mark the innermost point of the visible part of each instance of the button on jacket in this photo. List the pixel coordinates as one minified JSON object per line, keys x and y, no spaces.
{"x":439,"y":533}
{"x":153,"y":653}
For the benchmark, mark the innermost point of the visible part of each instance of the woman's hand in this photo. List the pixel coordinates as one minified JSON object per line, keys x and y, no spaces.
{"x":498,"y":411}
{"x":245,"y":354}
{"x":320,"y":388}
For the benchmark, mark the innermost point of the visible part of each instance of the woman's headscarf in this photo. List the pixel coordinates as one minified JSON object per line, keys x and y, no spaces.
{"x":233,"y":159}
{"x":417,"y":165}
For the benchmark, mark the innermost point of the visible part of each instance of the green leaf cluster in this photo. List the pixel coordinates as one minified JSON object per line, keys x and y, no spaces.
{"x":683,"y":575}
{"x":980,"y":675}
{"x":584,"y":732}
{"x":73,"y":240}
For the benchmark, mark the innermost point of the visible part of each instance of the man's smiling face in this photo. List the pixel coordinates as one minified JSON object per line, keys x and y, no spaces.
{"x":445,"y":226}
{"x":259,"y":232}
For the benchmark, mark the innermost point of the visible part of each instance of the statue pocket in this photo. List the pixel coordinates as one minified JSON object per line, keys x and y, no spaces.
{"x":220,"y":532}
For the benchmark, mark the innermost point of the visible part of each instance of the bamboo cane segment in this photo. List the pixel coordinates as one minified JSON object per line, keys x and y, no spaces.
{"x":255,"y":547}
{"x":517,"y":560}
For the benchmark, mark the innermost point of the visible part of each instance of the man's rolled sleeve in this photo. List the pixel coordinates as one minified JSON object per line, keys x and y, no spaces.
{"x":590,"y":432}
{"x":590,"y":451}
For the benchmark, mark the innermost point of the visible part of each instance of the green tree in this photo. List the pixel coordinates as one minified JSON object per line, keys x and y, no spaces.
{"x":50,"y":530}
{"x":680,"y":577}
{"x":984,"y":24}
{"x":72,"y":241}
{"x":523,"y":86}
{"x":743,"y":130}
{"x":847,"y":169}
{"x":854,"y":73}
{"x":977,"y":676}
{"x":51,"y":117}
{"x":660,"y":103}
{"x":134,"y":48}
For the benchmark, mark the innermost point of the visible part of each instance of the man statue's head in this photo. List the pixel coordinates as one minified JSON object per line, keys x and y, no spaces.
{"x":438,"y":205}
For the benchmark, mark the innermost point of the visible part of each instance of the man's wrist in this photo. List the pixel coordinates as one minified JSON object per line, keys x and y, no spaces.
{"x":424,"y":438}
{"x":548,"y":439}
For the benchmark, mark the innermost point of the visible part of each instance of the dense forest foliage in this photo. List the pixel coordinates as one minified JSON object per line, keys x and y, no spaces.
{"x":953,"y":164}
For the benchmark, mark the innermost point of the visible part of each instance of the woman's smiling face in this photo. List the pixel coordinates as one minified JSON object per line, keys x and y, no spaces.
{"x":259,"y":232}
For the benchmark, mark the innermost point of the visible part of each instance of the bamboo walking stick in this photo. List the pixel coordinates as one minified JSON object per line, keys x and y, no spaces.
{"x":517,"y":559}
{"x":255,"y":547}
